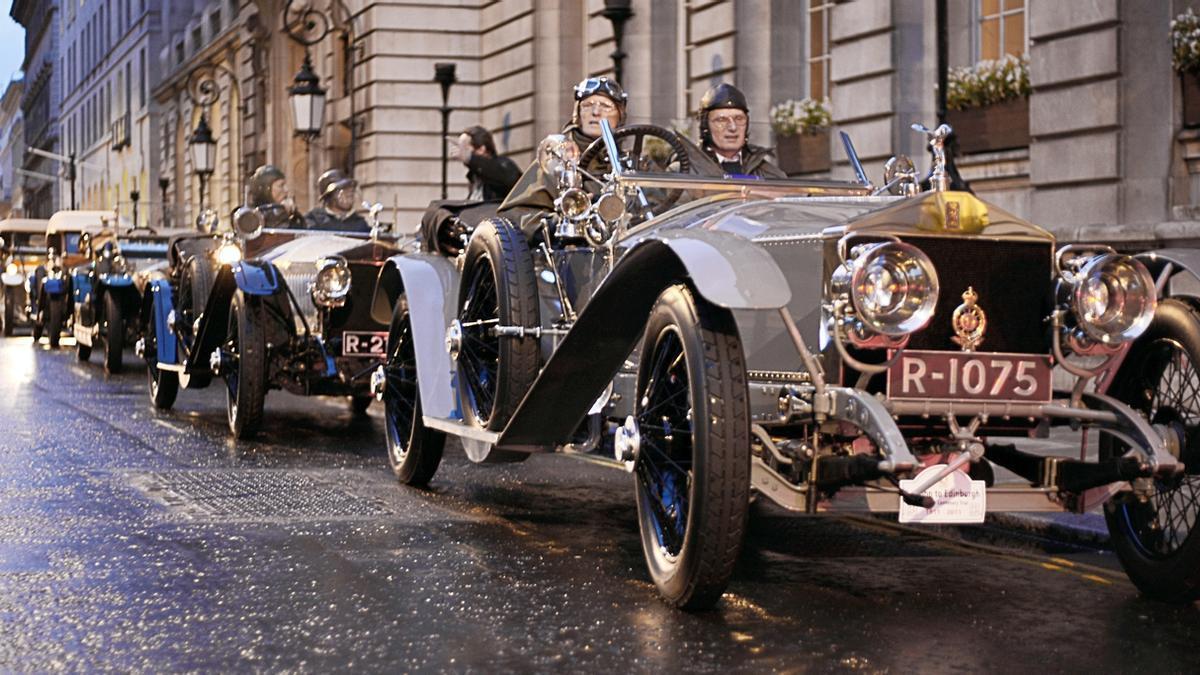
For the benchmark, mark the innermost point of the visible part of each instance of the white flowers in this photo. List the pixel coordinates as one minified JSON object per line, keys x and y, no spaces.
{"x":806,"y":116}
{"x":988,"y":82}
{"x":1185,"y":42}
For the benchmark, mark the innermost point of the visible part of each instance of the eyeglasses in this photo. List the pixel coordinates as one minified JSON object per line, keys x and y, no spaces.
{"x":739,"y":122}
{"x":601,"y":107}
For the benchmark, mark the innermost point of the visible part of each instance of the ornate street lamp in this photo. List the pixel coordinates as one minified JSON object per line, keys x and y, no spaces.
{"x":308,"y":102}
{"x":204,"y":154}
{"x":618,"y":12}
{"x":135,"y":196}
{"x":443,"y":74}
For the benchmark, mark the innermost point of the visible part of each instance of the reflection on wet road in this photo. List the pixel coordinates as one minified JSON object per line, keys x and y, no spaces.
{"x":132,"y":540}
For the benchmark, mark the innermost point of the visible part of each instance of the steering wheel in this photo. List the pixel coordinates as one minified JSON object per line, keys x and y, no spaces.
{"x":594,"y":159}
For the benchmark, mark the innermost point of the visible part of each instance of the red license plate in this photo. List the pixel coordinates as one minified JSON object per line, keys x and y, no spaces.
{"x":970,"y":375}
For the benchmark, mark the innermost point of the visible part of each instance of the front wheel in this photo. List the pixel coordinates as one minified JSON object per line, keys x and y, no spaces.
{"x":114,"y":334}
{"x":1155,"y":533}
{"x":693,"y":455}
{"x":54,"y":324}
{"x":246,"y":383}
{"x":10,"y":311}
{"x":414,"y":450}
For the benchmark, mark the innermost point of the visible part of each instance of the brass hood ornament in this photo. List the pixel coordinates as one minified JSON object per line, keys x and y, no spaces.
{"x":969,"y":322}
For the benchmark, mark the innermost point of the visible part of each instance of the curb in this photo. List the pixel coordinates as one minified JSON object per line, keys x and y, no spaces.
{"x":1079,"y":528}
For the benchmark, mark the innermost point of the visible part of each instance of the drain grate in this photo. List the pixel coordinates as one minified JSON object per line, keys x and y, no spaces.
{"x":254,"y":494}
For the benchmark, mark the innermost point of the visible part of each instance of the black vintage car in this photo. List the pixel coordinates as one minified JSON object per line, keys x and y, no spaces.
{"x":294,"y":314}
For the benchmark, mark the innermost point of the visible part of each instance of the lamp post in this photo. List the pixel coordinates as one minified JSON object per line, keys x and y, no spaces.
{"x":308,"y":102}
{"x":204,"y":152}
{"x":308,"y":25}
{"x":134,"y":196}
{"x":163,"y":184}
{"x":618,"y":12}
{"x":443,"y":74}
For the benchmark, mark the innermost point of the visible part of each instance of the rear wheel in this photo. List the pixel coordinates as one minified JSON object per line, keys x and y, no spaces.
{"x":114,"y":334}
{"x":498,"y":290}
{"x":414,"y":450}
{"x":1157,"y":535}
{"x":164,"y":384}
{"x":693,"y":457}
{"x":54,"y":323}
{"x":10,"y":310}
{"x":246,"y":383}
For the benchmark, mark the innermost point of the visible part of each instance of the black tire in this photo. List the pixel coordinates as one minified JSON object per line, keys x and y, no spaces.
{"x":359,"y":404}
{"x":498,"y":286}
{"x":10,"y":311}
{"x":1160,"y":377}
{"x":57,"y":309}
{"x":38,"y":318}
{"x":114,"y":334}
{"x":246,"y":384}
{"x":693,"y":466}
{"x":196,"y":285}
{"x":414,"y":450}
{"x":163,"y":384}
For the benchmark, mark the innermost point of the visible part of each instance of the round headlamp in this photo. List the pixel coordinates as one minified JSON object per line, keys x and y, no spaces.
{"x":332,"y":283}
{"x":574,"y":204}
{"x":894,"y":287}
{"x":1114,"y":298}
{"x":228,"y":253}
{"x":248,"y":222}
{"x":12,"y":268}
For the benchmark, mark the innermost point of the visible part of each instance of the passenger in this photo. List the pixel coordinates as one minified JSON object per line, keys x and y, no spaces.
{"x":724,"y":134}
{"x":338,"y":193}
{"x":596,"y":99}
{"x":269,"y":196}
{"x":490,"y":175}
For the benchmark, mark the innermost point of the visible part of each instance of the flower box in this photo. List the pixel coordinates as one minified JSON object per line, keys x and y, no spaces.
{"x":999,"y":126}
{"x":803,"y":153}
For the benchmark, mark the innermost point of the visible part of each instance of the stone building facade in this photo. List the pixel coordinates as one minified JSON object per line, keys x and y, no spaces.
{"x":12,"y":146}
{"x":41,"y":103}
{"x":108,"y":120}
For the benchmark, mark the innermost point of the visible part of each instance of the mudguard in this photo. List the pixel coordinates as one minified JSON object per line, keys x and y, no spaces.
{"x":15,"y":279}
{"x":255,"y":277}
{"x":1182,"y":259}
{"x":726,"y":270}
{"x":162,"y":305}
{"x":432,"y":305}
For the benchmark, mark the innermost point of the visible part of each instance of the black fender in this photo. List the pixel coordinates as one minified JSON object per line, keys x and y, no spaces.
{"x":724,"y":269}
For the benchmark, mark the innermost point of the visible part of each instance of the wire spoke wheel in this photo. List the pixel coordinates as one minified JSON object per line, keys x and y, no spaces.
{"x":692,"y":469}
{"x":480,"y":356}
{"x":414,"y":450}
{"x":1154,"y":527}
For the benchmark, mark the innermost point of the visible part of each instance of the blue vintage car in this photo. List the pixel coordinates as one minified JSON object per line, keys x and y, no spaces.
{"x":52,"y":282}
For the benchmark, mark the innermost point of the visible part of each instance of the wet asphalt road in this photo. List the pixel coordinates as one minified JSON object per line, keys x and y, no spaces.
{"x":137,"y":541}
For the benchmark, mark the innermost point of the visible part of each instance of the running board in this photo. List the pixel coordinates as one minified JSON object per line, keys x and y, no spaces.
{"x":457,"y":428}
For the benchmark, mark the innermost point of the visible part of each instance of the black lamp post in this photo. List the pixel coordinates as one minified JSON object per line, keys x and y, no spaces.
{"x":943,"y":75}
{"x":163,"y":184}
{"x":618,"y":12}
{"x":134,"y":196}
{"x":443,"y":74}
{"x":204,"y":153}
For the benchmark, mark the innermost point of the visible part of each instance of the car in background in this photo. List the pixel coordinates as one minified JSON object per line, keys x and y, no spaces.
{"x":23,"y":251}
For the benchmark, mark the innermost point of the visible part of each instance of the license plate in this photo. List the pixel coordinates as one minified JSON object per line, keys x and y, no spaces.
{"x":363,"y":343}
{"x":968,"y":375}
{"x":956,"y":499}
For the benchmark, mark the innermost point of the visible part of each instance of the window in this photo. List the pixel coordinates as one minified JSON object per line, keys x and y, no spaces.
{"x":818,"y":48}
{"x":235,"y":6}
{"x":197,"y":39}
{"x":214,"y":24}
{"x":128,"y":89}
{"x":142,"y":76}
{"x":179,"y":52}
{"x":1001,"y":29}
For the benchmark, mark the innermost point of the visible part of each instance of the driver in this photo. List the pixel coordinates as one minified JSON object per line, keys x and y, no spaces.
{"x":596,"y":99}
{"x":725,"y":131}
{"x":269,"y":196}
{"x":337,"y":192}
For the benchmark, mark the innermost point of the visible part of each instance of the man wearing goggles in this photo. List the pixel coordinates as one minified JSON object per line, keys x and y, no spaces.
{"x":337,"y":192}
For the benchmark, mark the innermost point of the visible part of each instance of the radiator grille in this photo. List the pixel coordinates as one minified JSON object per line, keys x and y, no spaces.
{"x":1015,"y":287}
{"x":299,"y":283}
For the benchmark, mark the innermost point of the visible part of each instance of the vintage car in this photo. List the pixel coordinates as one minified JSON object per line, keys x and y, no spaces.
{"x":107,"y":291}
{"x":285,"y":309}
{"x":52,"y":309}
{"x":832,"y":346}
{"x":24,"y":250}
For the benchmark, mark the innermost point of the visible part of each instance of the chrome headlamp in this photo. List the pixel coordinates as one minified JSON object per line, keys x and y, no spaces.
{"x":228,"y":252}
{"x":332,"y":284}
{"x":574,"y":204}
{"x":893,"y":286}
{"x":1111,"y":295}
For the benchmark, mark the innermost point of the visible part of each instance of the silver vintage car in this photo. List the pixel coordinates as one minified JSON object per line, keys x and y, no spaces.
{"x":830,"y":345}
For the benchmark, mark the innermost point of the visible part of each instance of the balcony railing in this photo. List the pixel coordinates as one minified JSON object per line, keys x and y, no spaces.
{"x":121,"y":132}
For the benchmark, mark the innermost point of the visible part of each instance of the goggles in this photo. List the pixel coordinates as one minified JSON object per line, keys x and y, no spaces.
{"x":602,"y":86}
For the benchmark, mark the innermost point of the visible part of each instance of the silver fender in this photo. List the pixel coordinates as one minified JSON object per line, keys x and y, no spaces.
{"x":726,"y":270}
{"x":431,"y":282}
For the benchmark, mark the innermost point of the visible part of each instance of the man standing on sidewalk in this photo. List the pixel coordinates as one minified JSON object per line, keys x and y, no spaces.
{"x":491,"y":175}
